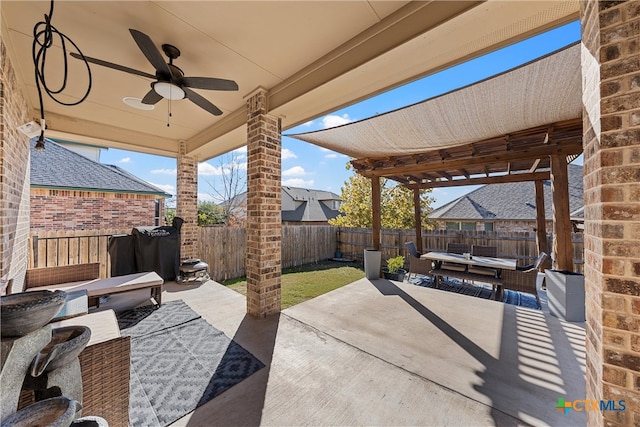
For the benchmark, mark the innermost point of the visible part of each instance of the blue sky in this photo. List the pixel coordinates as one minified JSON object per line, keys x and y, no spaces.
{"x":309,"y":166}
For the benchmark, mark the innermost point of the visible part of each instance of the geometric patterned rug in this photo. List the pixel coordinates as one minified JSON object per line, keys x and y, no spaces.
{"x":178,"y":362}
{"x":479,"y":290}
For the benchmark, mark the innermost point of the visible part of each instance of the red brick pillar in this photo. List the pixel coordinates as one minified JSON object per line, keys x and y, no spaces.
{"x":187,"y":202}
{"x":264,"y":206}
{"x":611,"y":96}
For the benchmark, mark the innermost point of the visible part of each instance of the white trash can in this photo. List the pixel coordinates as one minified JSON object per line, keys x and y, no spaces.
{"x":372,"y":263}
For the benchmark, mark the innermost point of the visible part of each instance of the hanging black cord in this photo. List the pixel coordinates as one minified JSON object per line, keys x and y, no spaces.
{"x":43,"y":36}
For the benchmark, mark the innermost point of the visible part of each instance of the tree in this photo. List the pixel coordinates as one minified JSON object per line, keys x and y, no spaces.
{"x":210,"y":214}
{"x":233,"y":182}
{"x":396,"y":204}
{"x":169,"y":210}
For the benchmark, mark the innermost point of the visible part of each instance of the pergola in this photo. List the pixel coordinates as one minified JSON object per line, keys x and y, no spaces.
{"x":522,"y":125}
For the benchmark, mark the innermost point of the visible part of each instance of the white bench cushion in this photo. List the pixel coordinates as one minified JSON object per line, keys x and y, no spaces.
{"x":484,"y":271}
{"x":453,"y":266}
{"x":103,"y":325}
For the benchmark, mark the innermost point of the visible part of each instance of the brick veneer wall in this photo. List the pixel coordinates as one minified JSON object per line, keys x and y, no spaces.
{"x":86,"y":210}
{"x":611,"y":96}
{"x":264,"y":205}
{"x":14,"y":177}
{"x":187,"y":202}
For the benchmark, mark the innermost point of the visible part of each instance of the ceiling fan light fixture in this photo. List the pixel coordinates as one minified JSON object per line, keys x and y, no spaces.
{"x":168,"y":90}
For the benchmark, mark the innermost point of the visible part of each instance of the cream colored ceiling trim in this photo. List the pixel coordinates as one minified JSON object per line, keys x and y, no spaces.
{"x":403,"y":25}
{"x":229,"y":123}
{"x":83,"y":131}
{"x":408,"y":22}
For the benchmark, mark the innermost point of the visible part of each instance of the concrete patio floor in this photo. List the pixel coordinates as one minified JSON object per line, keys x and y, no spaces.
{"x":388,"y":353}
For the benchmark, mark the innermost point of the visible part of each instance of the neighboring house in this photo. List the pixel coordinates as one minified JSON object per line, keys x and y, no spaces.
{"x":72,"y":192}
{"x":507,"y":207}
{"x":300,"y":206}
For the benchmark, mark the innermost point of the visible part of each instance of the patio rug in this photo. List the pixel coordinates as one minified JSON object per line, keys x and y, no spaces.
{"x":479,"y":290}
{"x":178,"y":362}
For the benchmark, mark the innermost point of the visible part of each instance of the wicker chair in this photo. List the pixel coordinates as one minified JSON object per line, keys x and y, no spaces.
{"x":417,"y":265}
{"x":480,"y":250}
{"x":457,"y":248}
{"x":47,"y":276}
{"x":524,"y":281}
{"x":105,"y":365}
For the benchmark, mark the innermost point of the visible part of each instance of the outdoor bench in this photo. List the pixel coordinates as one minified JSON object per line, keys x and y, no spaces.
{"x":470,"y":277}
{"x":84,"y":277}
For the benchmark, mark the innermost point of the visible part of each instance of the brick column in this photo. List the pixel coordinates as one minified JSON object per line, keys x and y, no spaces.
{"x":611,"y":96}
{"x":14,"y":177}
{"x":264,"y":206}
{"x":187,"y":202}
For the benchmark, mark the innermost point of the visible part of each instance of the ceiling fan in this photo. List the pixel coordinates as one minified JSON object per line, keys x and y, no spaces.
{"x":170,"y":82}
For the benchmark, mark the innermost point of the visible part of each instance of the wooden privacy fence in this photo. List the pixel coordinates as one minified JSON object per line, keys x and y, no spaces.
{"x":515,"y":245}
{"x":224,"y":248}
{"x":53,"y":248}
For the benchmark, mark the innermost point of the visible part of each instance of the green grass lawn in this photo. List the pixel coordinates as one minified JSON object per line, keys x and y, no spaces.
{"x":308,"y":281}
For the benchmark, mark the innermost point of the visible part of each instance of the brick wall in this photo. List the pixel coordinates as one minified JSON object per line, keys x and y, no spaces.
{"x":611,"y":96}
{"x":14,"y":177}
{"x":85,"y":210}
{"x":501,"y":226}
{"x":264,"y":205}
{"x":187,"y":202}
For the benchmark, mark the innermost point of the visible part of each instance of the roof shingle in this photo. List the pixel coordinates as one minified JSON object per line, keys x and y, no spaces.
{"x":59,"y":167}
{"x":511,"y":201}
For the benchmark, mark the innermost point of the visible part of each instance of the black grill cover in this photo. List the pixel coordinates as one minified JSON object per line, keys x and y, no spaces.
{"x":122,"y":254}
{"x":158,"y":249}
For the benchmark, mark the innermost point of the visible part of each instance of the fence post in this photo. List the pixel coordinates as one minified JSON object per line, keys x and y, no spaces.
{"x":35,"y":251}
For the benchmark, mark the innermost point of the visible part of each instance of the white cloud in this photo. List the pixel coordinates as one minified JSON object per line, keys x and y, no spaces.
{"x":167,"y":188}
{"x":240,"y":153}
{"x":164,"y":172}
{"x":297,"y":182}
{"x":294,"y":171}
{"x":125,"y":160}
{"x":207,"y":169}
{"x":288,"y":154}
{"x":331,"y":156}
{"x":333,"y":121}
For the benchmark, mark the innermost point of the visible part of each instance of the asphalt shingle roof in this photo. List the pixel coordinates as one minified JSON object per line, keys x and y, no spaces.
{"x":59,"y":167}
{"x":311,"y":207}
{"x":511,"y":201}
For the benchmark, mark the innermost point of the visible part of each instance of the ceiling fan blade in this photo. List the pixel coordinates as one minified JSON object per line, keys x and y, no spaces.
{"x":112,"y":65}
{"x":209,"y":83}
{"x":202,"y":102}
{"x":151,"y":97}
{"x":150,"y":51}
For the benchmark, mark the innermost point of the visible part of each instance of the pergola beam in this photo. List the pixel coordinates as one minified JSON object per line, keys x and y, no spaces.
{"x":530,"y":152}
{"x":501,"y":179}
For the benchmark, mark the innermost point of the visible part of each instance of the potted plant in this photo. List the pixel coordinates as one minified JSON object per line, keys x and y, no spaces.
{"x":394,"y":269}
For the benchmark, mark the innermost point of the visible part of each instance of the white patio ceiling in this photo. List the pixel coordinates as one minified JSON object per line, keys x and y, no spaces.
{"x":313,"y":57}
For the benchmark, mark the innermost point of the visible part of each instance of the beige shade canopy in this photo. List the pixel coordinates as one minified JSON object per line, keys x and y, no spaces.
{"x":538,"y":103}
